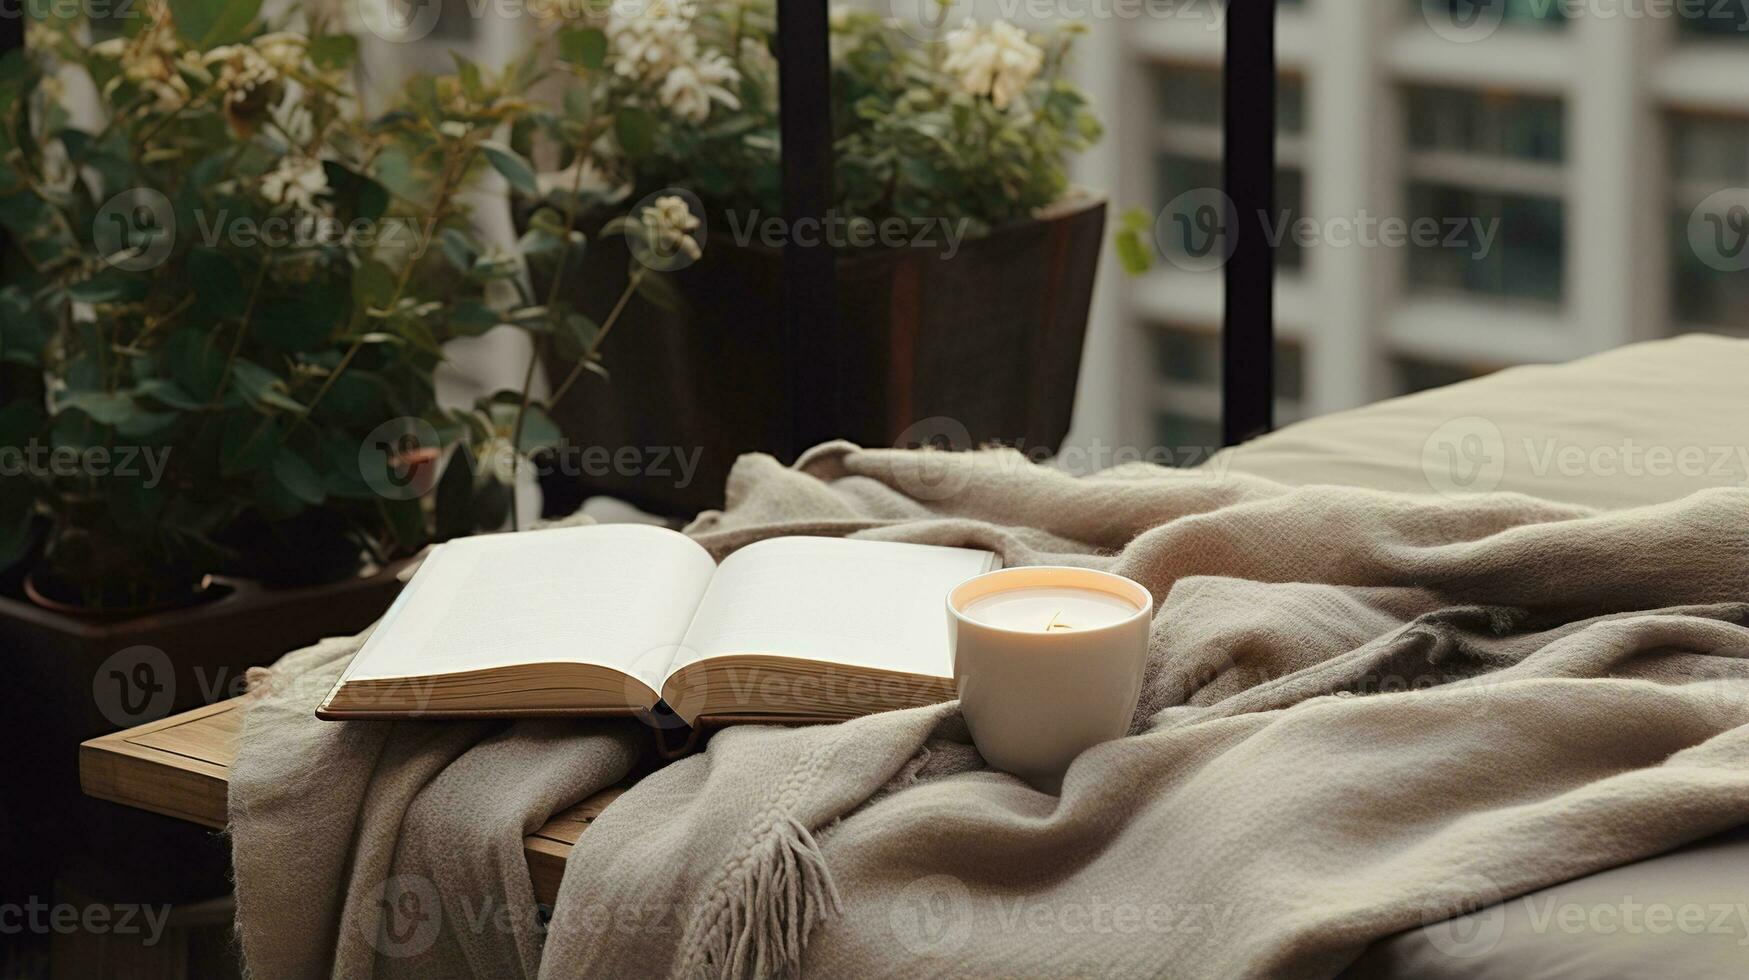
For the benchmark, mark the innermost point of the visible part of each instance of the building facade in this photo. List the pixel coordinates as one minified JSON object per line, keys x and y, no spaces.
{"x":1464,"y":185}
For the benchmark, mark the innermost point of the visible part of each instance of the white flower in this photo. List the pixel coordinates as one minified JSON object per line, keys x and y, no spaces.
{"x":453,"y":129}
{"x":283,"y":50}
{"x":149,"y":59}
{"x":758,"y":63}
{"x":693,"y":85}
{"x":997,"y":61}
{"x":242,"y":69}
{"x":296,"y":181}
{"x":670,"y":224}
{"x":658,"y":49}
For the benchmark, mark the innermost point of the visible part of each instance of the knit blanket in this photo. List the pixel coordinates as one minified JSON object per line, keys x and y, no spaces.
{"x":1363,"y":713}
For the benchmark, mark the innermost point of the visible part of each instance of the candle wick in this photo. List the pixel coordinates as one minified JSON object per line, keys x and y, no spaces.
{"x":1054,"y":625}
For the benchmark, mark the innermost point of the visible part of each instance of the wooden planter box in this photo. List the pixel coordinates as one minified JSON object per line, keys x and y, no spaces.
{"x":70,"y":678}
{"x":990,"y":339}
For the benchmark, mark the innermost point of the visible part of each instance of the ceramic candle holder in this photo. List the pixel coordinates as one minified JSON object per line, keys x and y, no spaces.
{"x":1048,"y":663}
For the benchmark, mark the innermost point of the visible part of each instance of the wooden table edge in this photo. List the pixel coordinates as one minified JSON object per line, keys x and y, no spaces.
{"x":194,"y":787}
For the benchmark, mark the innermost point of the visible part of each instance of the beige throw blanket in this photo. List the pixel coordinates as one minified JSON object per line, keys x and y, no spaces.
{"x":1364,"y":712}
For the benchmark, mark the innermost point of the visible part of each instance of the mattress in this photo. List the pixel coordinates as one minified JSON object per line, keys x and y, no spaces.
{"x":1638,"y":425}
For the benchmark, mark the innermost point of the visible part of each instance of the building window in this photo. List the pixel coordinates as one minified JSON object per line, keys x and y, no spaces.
{"x":1186,"y":440}
{"x":1185,"y":356}
{"x":1713,"y":19}
{"x":1485,"y":177}
{"x":1530,"y":13}
{"x":1188,"y":110}
{"x":1477,"y":124}
{"x":1187,"y":403}
{"x":1414,"y":374}
{"x":1709,"y":247}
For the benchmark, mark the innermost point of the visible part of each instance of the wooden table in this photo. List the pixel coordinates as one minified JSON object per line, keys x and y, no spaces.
{"x":180,"y":766}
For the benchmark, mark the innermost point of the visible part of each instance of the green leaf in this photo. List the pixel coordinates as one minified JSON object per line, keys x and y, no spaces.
{"x":354,"y":394}
{"x":76,"y":430}
{"x":218,"y":286}
{"x":194,"y":365}
{"x":373,"y":286}
{"x":657,"y":290}
{"x":396,"y":170}
{"x":538,"y":431}
{"x":297,"y":477}
{"x":356,"y":197}
{"x":406,"y":520}
{"x":585,"y":47}
{"x":538,"y":242}
{"x":459,"y":249}
{"x":1135,"y":256}
{"x":491,"y":505}
{"x":636,"y":130}
{"x":22,"y":333}
{"x":248,"y":443}
{"x":301,"y":320}
{"x":167,"y":392}
{"x":455,"y":495}
{"x":207,"y":24}
{"x":109,"y":286}
{"x":338,"y":458}
{"x":576,"y":334}
{"x":470,"y":318}
{"x":20,"y":421}
{"x":333,"y":51}
{"x":469,"y":75}
{"x":142,"y":423}
{"x":105,"y":408}
{"x":262,"y":387}
{"x":511,"y":164}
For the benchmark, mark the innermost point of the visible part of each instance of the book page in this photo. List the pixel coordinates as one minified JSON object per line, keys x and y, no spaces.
{"x":617,"y":595}
{"x":875,"y":604}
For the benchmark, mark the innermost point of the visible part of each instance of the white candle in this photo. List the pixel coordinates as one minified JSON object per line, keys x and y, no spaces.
{"x":1048,"y":663}
{"x":1050,"y":609}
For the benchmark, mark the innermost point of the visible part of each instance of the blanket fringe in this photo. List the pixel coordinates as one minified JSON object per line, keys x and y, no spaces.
{"x":784,"y":891}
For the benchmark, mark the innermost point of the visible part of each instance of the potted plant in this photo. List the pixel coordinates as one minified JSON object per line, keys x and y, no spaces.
{"x":224,"y":301}
{"x":965,"y":258}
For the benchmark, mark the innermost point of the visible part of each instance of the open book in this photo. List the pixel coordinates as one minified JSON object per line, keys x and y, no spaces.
{"x":611,"y":619}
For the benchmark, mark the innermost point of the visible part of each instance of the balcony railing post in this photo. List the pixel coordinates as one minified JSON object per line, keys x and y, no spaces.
{"x":810,"y":301}
{"x":1248,"y":168}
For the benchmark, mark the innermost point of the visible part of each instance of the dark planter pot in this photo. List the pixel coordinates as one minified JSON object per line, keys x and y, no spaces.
{"x":990,"y":339}
{"x":70,"y":678}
